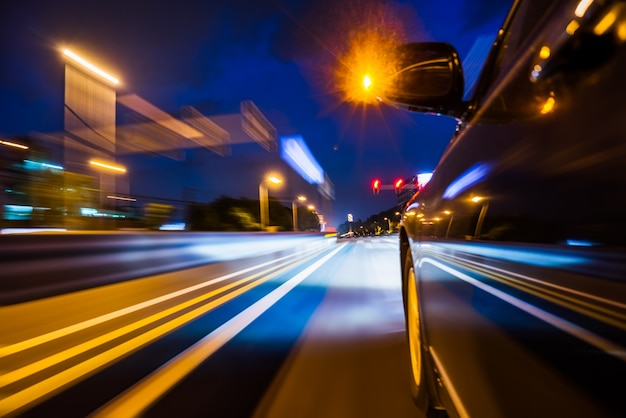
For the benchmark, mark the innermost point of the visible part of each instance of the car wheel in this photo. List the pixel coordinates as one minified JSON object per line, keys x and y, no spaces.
{"x":418,"y":381}
{"x":418,"y":389}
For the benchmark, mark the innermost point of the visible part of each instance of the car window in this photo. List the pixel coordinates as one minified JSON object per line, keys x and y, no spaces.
{"x":516,"y":44}
{"x":530,"y":16}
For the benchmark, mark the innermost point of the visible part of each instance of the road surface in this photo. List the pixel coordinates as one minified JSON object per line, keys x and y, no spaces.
{"x":317,"y":331}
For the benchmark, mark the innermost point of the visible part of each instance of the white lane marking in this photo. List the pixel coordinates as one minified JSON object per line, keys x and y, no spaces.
{"x":142,"y":395}
{"x":44,"y":338}
{"x":454,"y":396}
{"x":560,"y":323}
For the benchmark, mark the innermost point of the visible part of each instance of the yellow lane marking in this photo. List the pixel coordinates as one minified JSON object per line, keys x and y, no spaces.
{"x":47,"y":337}
{"x":8,"y":378}
{"x":145,"y":393}
{"x":23,"y":399}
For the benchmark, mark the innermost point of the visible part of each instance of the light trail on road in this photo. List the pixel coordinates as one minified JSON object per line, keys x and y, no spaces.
{"x":146,"y":346}
{"x":139,"y":397}
{"x":30,"y":377}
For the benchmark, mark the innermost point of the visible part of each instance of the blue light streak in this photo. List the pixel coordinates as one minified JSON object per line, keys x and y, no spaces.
{"x":474,"y":175}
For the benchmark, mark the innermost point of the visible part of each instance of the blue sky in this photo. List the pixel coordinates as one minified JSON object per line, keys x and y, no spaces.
{"x":213,"y":54}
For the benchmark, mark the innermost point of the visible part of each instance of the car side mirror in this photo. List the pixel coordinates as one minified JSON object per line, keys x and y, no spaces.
{"x":428,"y":78}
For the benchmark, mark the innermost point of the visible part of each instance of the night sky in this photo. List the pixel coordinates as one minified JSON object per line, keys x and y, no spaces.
{"x":211,"y":54}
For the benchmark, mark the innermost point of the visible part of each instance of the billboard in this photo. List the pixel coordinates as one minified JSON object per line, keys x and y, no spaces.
{"x":257,"y":126}
{"x":215,"y":138}
{"x":294,"y":152}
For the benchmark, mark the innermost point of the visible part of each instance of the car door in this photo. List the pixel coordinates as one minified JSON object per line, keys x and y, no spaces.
{"x":518,"y":240}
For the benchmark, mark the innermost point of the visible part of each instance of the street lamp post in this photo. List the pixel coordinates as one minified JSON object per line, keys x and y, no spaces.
{"x":105,"y":168}
{"x":264,"y":199}
{"x":294,"y":210}
{"x":481,"y":215}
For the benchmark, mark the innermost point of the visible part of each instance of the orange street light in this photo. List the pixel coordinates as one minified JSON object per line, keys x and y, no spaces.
{"x":294,"y":210}
{"x":90,"y":66}
{"x":13,"y":144}
{"x":264,"y":199}
{"x":367,"y":82}
{"x":108,"y":166}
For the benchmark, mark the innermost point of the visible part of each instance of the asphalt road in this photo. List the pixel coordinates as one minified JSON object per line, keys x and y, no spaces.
{"x":312,"y":332}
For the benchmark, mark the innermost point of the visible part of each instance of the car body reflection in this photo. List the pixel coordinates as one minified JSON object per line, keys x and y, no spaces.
{"x":513,"y":254}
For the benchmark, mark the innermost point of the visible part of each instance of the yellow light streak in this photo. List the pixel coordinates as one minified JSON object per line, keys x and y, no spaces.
{"x":90,"y":66}
{"x":548,"y":106}
{"x":572,"y":27}
{"x":8,"y":378}
{"x":129,"y":199}
{"x":621,"y":31}
{"x":13,"y":144}
{"x":145,"y":393}
{"x":604,"y":24}
{"x":108,"y":166}
{"x":18,"y":401}
{"x":8,"y":350}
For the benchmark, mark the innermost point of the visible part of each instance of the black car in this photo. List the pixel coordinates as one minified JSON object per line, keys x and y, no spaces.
{"x":514,"y":254}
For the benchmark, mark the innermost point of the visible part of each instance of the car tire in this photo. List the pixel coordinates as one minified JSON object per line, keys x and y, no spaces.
{"x":418,"y":374}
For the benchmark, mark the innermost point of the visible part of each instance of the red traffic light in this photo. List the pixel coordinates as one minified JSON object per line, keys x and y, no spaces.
{"x":398,"y":185}
{"x":376,"y":186}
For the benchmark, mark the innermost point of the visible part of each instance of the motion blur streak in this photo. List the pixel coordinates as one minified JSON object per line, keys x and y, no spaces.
{"x":547,"y":317}
{"x":41,"y":339}
{"x":45,"y":387}
{"x":537,"y":258}
{"x":145,"y":393}
{"x":12,"y":377}
{"x":147,"y":109}
{"x":507,"y":276}
{"x":92,"y":67}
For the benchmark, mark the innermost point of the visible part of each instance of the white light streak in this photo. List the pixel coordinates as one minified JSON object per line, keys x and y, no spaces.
{"x":13,"y":144}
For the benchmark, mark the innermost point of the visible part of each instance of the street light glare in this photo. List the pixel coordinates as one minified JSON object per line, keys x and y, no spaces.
{"x":90,"y":66}
{"x":13,"y":144}
{"x":367,"y":82}
{"x":274,"y":180}
{"x":108,"y":166}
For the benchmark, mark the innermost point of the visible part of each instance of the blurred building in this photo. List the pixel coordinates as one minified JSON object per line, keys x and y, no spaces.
{"x":248,"y":151}
{"x":167,"y":160}
{"x":119,"y":153}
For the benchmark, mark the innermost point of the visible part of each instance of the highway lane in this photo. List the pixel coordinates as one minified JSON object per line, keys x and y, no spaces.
{"x":314,"y":332}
